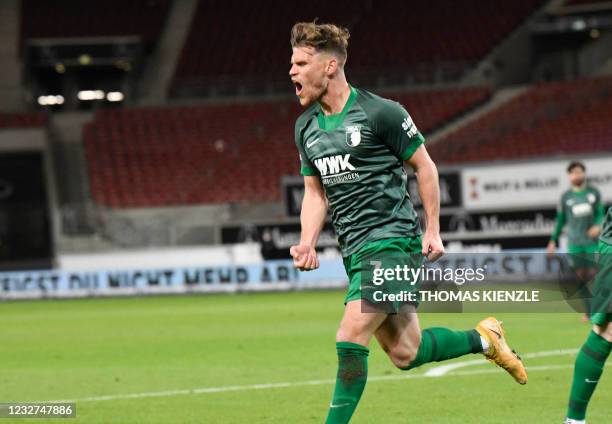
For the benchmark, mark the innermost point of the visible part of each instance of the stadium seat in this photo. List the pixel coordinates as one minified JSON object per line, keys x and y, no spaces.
{"x":218,"y":153}
{"x":22,"y":120}
{"x":405,"y":38}
{"x":563,"y":117}
{"x":584,"y":2}
{"x":68,"y":18}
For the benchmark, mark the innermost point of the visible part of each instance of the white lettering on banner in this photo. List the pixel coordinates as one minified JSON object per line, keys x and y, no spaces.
{"x":177,"y":280}
{"x":287,"y":239}
{"x":132,"y":279}
{"x":539,"y":223}
{"x":529,"y":184}
{"x":271,"y":275}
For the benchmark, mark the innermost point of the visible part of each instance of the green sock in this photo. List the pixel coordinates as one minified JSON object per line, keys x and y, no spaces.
{"x":350,"y":381}
{"x":587,"y":370}
{"x":440,"y":344}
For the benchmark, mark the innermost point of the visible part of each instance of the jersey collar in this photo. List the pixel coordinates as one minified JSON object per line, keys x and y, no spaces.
{"x":331,"y":122}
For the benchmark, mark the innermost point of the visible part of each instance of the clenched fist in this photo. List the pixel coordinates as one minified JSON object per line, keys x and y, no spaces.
{"x":433,"y":248}
{"x":304,"y":257}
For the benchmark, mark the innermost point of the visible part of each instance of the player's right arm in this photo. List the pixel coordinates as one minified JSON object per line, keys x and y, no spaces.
{"x":559,"y":224}
{"x":314,"y":207}
{"x":312,"y":218}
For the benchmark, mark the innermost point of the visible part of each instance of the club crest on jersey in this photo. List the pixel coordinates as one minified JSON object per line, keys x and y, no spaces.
{"x":353,"y":135}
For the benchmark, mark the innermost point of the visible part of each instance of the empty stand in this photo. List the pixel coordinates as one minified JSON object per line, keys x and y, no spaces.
{"x":22,"y":120}
{"x":550,"y":118}
{"x":228,"y":47}
{"x":407,"y":34}
{"x":216,"y":154}
{"x":431,"y":108}
{"x":584,"y":2}
{"x":70,"y":18}
{"x":234,"y":42}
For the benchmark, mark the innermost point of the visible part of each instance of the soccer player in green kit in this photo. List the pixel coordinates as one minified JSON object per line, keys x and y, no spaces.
{"x":581,"y":209}
{"x":596,"y":350}
{"x":353,"y":145}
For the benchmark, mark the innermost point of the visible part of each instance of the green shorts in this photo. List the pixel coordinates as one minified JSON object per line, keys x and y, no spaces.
{"x":581,"y":257}
{"x":388,"y":253}
{"x":601,"y":304}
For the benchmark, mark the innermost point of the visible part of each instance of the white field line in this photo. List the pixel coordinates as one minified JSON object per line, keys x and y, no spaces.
{"x":437,"y":372}
{"x":445,"y":369}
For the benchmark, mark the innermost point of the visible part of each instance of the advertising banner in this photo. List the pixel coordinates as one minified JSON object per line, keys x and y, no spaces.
{"x":276,"y":239}
{"x":525,"y":185}
{"x":269,"y":275}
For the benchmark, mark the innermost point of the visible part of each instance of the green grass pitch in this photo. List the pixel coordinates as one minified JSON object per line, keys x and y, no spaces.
{"x":160,"y":348}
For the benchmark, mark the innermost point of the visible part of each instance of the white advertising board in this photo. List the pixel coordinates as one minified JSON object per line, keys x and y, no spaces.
{"x":528,"y":184}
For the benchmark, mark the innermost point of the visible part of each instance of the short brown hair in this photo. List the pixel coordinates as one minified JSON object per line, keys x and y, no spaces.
{"x":575,"y":164}
{"x":323,"y":37}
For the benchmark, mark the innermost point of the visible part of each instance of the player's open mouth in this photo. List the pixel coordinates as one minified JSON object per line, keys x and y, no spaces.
{"x":298,"y":88}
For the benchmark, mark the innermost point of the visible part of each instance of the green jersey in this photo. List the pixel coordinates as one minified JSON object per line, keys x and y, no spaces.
{"x":606,"y":231}
{"x":580,"y":210}
{"x":358,"y":155}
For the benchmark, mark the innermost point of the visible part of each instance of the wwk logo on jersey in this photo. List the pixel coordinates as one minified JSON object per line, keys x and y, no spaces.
{"x":353,"y":135}
{"x":334,"y":164}
{"x":336,"y":169}
{"x":409,"y":127}
{"x":582,"y":209}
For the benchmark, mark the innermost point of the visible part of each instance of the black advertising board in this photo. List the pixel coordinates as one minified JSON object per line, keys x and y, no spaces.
{"x":275,"y":239}
{"x":25,"y":235}
{"x":450,"y":192}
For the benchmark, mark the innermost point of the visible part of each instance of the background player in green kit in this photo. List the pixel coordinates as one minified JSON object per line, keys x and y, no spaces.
{"x":353,"y":145}
{"x":596,"y":350}
{"x":581,"y":210}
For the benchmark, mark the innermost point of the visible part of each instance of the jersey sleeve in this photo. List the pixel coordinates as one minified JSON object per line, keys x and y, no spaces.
{"x":599,"y":210}
{"x":306,"y":167}
{"x":395,"y":127}
{"x":559,"y":220}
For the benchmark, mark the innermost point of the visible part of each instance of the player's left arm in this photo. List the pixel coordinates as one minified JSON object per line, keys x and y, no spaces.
{"x":598,"y":215}
{"x":399,"y":132}
{"x":429,"y":190}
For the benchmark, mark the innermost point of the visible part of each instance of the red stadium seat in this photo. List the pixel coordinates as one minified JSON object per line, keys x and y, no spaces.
{"x":584,"y":2}
{"x":22,"y":119}
{"x":68,"y":18}
{"x":226,"y":47}
{"x":562,"y":117}
{"x":217,"y":154}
